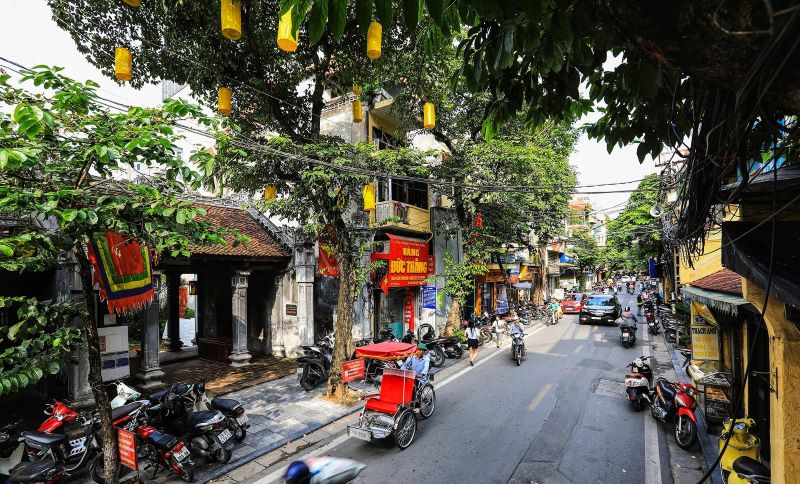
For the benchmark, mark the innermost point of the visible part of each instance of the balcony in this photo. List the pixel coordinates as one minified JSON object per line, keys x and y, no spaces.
{"x":399,"y":215}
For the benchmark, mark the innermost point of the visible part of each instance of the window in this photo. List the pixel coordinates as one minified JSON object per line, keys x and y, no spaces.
{"x":412,"y":193}
{"x":600,"y":301}
{"x":382,"y":139}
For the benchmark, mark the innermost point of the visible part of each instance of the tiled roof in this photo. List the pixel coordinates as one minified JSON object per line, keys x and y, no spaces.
{"x":261,"y":244}
{"x":725,"y":281}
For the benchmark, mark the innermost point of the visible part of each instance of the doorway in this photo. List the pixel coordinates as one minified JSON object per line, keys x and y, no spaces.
{"x":758,"y":387}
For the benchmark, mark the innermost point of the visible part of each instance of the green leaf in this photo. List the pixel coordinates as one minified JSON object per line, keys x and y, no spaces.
{"x":22,"y":378}
{"x":69,"y":214}
{"x":14,"y":330}
{"x":363,"y":15}
{"x":317,"y":20}
{"x":181,"y":217}
{"x":91,"y":217}
{"x":383,"y":8}
{"x":435,"y":9}
{"x":13,"y":385}
{"x":6,"y":250}
{"x":52,"y":367}
{"x":35,"y":373}
{"x":337,"y":17}
{"x":411,"y":13}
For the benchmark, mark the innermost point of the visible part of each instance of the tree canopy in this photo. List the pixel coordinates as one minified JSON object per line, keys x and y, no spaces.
{"x":634,"y":229}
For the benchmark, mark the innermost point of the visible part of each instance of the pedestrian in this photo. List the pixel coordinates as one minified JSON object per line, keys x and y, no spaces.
{"x":498,"y":328}
{"x":473,"y":334}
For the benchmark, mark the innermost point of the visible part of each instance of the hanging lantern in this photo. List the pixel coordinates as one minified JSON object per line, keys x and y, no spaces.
{"x":224,"y":101}
{"x":428,"y":116}
{"x":287,"y":39}
{"x":122,"y":64}
{"x":133,"y":3}
{"x":356,"y":89}
{"x":369,"y":197}
{"x":231,"y":16}
{"x":374,"y":40}
{"x":358,"y":112}
{"x":270,"y":192}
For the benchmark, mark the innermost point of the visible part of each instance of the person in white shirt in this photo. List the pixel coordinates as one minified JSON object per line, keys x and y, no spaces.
{"x":473,"y":336}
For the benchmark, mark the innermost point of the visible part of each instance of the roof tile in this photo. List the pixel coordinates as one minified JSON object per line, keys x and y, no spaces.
{"x":724,"y":280}
{"x":261,"y":244}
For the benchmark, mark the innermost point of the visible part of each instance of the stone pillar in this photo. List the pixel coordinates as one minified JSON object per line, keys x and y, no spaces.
{"x":278,"y":340}
{"x":173,"y":306}
{"x":68,"y":286}
{"x":304,"y":275}
{"x":150,"y":370}
{"x":239,"y":354}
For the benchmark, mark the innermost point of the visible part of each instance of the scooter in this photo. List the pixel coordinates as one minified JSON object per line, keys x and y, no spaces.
{"x":650,"y":318}
{"x":125,"y":394}
{"x":435,"y":351}
{"x":12,"y":449}
{"x":627,"y":335}
{"x":740,"y":463}
{"x":450,"y":345}
{"x":674,"y":403}
{"x":518,"y":350}
{"x":315,"y":363}
{"x":637,"y":382}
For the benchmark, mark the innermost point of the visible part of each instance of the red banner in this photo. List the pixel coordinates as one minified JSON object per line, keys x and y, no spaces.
{"x":126,"y":442}
{"x":408,"y":312}
{"x":327,"y":266}
{"x":353,"y":370}
{"x":407,"y":262}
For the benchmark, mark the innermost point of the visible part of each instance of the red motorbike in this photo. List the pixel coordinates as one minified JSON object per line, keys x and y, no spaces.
{"x":674,"y":404}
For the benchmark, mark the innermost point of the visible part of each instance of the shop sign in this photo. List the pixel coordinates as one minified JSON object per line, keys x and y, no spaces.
{"x":566,"y":260}
{"x":705,"y":333}
{"x":126,"y":443}
{"x":408,"y":313}
{"x":407,"y":263}
{"x":429,"y":297}
{"x":353,"y":370}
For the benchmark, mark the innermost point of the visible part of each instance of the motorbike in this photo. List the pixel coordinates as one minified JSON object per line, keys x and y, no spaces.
{"x":435,"y":350}
{"x":12,"y":449}
{"x":450,"y":344}
{"x":154,"y":449}
{"x":206,"y":432}
{"x":49,"y":470}
{"x":650,"y":319}
{"x":125,"y":394}
{"x":739,"y":463}
{"x":627,"y":335}
{"x":373,"y":369}
{"x":81,"y":441}
{"x":674,"y":403}
{"x":315,"y":363}
{"x":518,"y":350}
{"x":638,"y":381}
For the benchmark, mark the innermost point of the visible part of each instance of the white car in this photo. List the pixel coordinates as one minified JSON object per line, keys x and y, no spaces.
{"x":626,"y":279}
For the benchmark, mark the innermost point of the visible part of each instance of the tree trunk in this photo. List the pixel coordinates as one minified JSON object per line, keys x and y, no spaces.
{"x":538,"y":295}
{"x":453,"y":317}
{"x":343,"y":332}
{"x":107,"y":432}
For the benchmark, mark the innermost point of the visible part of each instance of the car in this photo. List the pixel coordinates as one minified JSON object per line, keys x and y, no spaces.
{"x":600,"y":308}
{"x":572,"y":303}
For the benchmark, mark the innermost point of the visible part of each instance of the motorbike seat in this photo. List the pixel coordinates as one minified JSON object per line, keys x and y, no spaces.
{"x":43,"y":438}
{"x":163,"y":441}
{"x":11,"y":426}
{"x":119,"y":412}
{"x":180,"y":389}
{"x":667,"y":389}
{"x":752,"y":469}
{"x":35,"y":471}
{"x":633,"y":375}
{"x":196,"y":418}
{"x":225,"y":404}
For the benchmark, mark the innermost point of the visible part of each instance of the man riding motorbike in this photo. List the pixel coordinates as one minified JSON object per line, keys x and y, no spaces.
{"x":419,"y":363}
{"x":628,"y":319}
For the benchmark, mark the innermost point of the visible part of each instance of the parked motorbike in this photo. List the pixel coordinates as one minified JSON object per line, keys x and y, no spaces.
{"x":12,"y":450}
{"x":206,"y":432}
{"x":650,"y":319}
{"x":638,"y":381}
{"x":627,"y":335}
{"x":373,"y":369}
{"x":435,"y":350}
{"x":518,"y":350}
{"x":315,"y":364}
{"x":50,"y":470}
{"x":674,"y":403}
{"x":451,"y":345}
{"x":739,"y":463}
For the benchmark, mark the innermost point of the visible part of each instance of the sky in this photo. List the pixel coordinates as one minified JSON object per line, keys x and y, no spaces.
{"x":29,"y":36}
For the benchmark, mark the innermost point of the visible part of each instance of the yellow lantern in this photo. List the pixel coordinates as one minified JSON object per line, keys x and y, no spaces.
{"x":231,"y":16}
{"x":428,"y":116}
{"x":133,"y":3}
{"x":358,"y":113}
{"x":123,"y":64}
{"x":356,"y":89}
{"x":374,"y":40}
{"x":287,"y":39}
{"x":224,"y":95}
{"x":270,"y":192}
{"x":369,"y":197}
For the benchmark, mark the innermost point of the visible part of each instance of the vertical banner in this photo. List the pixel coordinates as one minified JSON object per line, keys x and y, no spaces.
{"x":705,"y":333}
{"x":408,"y":313}
{"x":126,"y":442}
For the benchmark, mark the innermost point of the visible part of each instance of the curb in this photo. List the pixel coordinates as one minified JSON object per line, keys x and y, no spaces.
{"x":710,"y":452}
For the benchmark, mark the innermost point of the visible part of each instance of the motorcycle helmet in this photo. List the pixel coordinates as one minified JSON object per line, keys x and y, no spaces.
{"x":297,"y":473}
{"x":627,"y":308}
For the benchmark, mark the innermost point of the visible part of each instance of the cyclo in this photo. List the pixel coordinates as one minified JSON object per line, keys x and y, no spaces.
{"x":403,"y":394}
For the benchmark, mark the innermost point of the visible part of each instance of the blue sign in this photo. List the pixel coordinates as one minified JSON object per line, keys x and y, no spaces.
{"x":566,"y":259}
{"x":429,"y":297}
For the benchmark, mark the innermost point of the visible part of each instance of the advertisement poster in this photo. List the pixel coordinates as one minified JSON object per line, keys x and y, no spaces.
{"x":705,"y":333}
{"x":429,"y":297}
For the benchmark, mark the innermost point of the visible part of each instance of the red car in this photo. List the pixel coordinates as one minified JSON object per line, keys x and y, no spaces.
{"x":573,"y":303}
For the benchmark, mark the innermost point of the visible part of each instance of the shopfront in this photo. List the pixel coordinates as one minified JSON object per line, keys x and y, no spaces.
{"x":398,"y":295}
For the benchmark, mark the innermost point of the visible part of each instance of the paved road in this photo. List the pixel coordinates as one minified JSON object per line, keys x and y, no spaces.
{"x":560,"y":417}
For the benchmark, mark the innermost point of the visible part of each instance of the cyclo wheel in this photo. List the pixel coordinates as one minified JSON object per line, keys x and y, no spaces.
{"x":427,"y":400}
{"x":406,"y":429}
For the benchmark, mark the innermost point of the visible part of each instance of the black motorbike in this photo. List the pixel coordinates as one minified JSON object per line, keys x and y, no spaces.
{"x":315,"y":364}
{"x":518,"y":347}
{"x":650,"y":318}
{"x":206,"y":432}
{"x":435,"y":350}
{"x":373,"y":369}
{"x":627,"y":334}
{"x":12,"y":450}
{"x":50,"y":469}
{"x":451,"y":345}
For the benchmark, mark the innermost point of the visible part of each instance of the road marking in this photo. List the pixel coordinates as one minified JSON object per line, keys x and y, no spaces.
{"x":539,"y":396}
{"x":652,"y":457}
{"x":578,"y":349}
{"x":277,"y":476}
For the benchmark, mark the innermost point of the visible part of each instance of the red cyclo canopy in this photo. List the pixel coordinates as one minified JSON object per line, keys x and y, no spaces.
{"x":387,"y":350}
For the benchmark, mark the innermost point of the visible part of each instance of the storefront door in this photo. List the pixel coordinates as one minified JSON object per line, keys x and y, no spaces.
{"x":758,"y":385}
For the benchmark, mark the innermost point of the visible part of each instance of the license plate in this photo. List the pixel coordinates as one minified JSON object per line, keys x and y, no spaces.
{"x":241,"y":420}
{"x":359,"y":433}
{"x":224,"y":436}
{"x":181,"y":454}
{"x":625,"y":337}
{"x":595,"y":317}
{"x":300,"y":371}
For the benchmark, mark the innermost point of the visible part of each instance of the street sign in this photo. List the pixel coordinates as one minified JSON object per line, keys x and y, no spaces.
{"x":353,"y":370}
{"x":126,"y":441}
{"x":428,"y":297}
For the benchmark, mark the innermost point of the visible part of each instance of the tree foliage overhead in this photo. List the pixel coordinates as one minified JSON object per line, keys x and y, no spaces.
{"x":634,"y":228}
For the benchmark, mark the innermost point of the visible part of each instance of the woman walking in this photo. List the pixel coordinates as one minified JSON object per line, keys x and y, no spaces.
{"x":473,"y":334}
{"x":498,"y":327}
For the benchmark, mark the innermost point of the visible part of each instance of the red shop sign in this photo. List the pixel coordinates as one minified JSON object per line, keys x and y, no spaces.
{"x":126,"y":442}
{"x":353,"y":370}
{"x":407,"y":262}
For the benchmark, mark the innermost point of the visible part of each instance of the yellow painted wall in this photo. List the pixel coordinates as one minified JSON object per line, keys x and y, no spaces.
{"x":784,"y":353}
{"x":710,"y":261}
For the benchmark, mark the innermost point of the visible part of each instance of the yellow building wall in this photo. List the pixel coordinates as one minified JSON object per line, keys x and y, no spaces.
{"x":710,"y":261}
{"x":784,"y":353}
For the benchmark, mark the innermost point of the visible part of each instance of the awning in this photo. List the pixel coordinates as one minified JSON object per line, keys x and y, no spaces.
{"x":523,"y":285}
{"x":720,"y":301}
